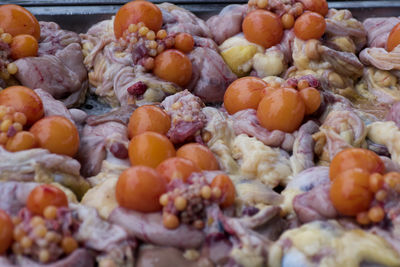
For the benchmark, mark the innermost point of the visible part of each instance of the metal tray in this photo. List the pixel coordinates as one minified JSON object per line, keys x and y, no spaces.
{"x":79,"y":15}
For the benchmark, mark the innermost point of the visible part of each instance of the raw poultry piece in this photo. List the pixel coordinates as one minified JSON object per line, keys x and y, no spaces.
{"x":59,"y":68}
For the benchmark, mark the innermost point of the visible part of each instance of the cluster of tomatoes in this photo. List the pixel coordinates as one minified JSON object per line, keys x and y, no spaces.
{"x":22,"y":125}
{"x":166,"y":55}
{"x":360,"y":185}
{"x":156,"y":162}
{"x":265,"y":28}
{"x":278,"y":108}
{"x":21,"y":31}
{"x":38,"y":233}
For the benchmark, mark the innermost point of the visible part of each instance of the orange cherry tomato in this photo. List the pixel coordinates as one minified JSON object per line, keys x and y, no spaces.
{"x":150,"y":149}
{"x":148,"y":118}
{"x":224,"y":183}
{"x":200,"y":155}
{"x":177,"y":168}
{"x":319,"y":6}
{"x":350,"y":192}
{"x":394,"y":38}
{"x":282,"y":109}
{"x":244,"y":93}
{"x":24,"y":45}
{"x":17,"y":20}
{"x":263,"y":27}
{"x":173,"y":66}
{"x":184,"y":42}
{"x":311,"y":98}
{"x":310,"y":25}
{"x":21,"y":141}
{"x":45,"y":195}
{"x":6,"y":232}
{"x":135,"y":12}
{"x":24,"y":100}
{"x":139,"y":188}
{"x":57,"y":134}
{"x":351,"y":158}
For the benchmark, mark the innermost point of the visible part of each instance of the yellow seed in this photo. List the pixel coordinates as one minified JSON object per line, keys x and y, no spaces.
{"x":180,"y":203}
{"x":164,"y":200}
{"x":143,"y":31}
{"x":153,"y":52}
{"x":16,"y":220}
{"x":12,"y":68}
{"x":3,"y":138}
{"x":52,"y":237}
{"x":161,"y":34}
{"x":6,"y":37}
{"x":17,"y":126}
{"x":36,"y":221}
{"x":376,"y":214}
{"x":69,"y":244}
{"x":262,"y":3}
{"x":26,"y":242}
{"x":44,"y":255}
{"x":18,"y":233}
{"x":287,"y":21}
{"x":133,"y":28}
{"x":50,"y":212}
{"x":381,"y":195}
{"x":152,"y":44}
{"x":160,"y":48}
{"x":151,"y":35}
{"x":216,"y":192}
{"x":206,"y":192}
{"x":40,"y":231}
{"x":363,"y":219}
{"x":5,"y":125}
{"x":20,"y":118}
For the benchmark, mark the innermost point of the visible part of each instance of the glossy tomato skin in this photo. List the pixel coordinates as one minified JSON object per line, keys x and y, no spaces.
{"x":150,"y":149}
{"x":6,"y":231}
{"x":244,"y":93}
{"x":310,"y":25}
{"x":350,"y":192}
{"x":24,"y":45}
{"x":394,"y":38}
{"x":263,"y":28}
{"x":57,"y":134}
{"x":139,"y":188}
{"x":18,"y":20}
{"x":351,"y":158}
{"x":177,"y":168}
{"x":224,"y":183}
{"x":148,"y":118}
{"x":24,"y":100}
{"x":201,"y":156}
{"x":173,"y":66}
{"x":319,"y":6}
{"x":281,"y":109}
{"x":45,"y":195}
{"x":135,"y":12}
